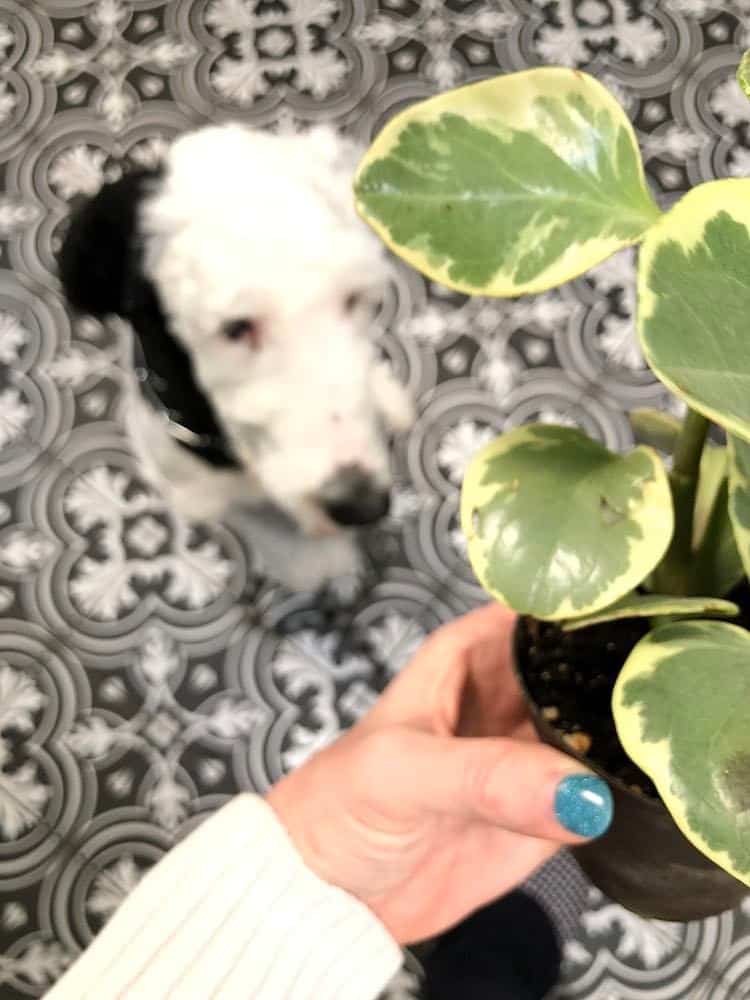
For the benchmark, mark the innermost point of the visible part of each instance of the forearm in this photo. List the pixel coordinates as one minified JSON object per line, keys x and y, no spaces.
{"x":232,"y":912}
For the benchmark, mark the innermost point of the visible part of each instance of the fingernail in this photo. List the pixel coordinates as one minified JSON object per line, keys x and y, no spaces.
{"x":583,"y":804}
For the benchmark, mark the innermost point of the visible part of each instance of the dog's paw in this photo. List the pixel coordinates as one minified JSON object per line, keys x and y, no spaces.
{"x":207,"y":495}
{"x":393,"y":399}
{"x":297,"y":561}
{"x":334,"y":560}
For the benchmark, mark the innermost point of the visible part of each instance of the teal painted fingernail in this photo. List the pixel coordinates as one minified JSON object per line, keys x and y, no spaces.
{"x":583,"y":804}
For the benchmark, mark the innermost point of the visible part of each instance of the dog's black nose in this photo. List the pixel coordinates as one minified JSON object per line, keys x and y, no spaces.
{"x":351,"y":513}
{"x":352,"y":498}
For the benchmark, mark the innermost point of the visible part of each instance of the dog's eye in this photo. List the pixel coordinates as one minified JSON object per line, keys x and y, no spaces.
{"x":238,"y":329}
{"x":353,"y":301}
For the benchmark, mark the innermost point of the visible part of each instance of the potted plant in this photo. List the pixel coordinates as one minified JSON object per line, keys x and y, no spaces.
{"x":629,"y":571}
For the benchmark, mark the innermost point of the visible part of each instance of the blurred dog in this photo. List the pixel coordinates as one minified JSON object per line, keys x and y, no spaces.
{"x":249,"y":283}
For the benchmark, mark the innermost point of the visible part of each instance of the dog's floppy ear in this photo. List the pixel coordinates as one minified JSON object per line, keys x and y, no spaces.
{"x":101,"y":269}
{"x":100,"y":260}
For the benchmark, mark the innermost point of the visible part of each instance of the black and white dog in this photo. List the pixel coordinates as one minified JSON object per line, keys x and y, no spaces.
{"x":248,"y":280}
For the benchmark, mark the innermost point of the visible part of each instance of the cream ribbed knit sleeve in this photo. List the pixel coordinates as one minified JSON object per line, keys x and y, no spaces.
{"x":232,"y":913}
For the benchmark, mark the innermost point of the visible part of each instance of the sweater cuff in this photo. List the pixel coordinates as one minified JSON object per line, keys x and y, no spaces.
{"x":233,"y":912}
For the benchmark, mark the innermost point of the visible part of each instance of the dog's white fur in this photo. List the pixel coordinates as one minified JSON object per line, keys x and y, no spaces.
{"x":251,"y":225}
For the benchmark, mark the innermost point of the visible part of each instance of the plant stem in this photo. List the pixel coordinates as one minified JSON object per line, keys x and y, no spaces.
{"x":674,"y":574}
{"x":686,"y":459}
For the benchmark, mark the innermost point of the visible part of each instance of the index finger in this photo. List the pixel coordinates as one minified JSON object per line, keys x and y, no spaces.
{"x":426,"y":694}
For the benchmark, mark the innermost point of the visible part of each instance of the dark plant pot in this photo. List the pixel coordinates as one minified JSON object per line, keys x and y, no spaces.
{"x":643,"y":862}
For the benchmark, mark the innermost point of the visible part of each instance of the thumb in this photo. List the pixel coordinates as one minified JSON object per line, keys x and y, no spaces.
{"x":522,"y":786}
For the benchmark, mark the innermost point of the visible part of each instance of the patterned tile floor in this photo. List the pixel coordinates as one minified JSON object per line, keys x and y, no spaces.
{"x":147,"y":671}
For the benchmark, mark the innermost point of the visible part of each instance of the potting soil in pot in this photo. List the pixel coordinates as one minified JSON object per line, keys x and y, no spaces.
{"x":570,"y":677}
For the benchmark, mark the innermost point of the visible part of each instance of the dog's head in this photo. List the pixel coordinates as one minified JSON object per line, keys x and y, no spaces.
{"x":244,"y":252}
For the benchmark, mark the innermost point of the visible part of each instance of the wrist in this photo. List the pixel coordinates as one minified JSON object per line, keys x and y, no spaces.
{"x":290,"y":805}
{"x":347,"y":934}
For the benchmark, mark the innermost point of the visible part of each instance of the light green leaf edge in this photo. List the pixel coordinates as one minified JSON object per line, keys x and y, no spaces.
{"x":743,"y":73}
{"x":648,"y":699}
{"x":684,"y":226}
{"x":528,"y":578}
{"x":532,"y":104}
{"x":655,"y":605}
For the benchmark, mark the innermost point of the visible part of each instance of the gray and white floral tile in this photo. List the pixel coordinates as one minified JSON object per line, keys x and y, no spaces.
{"x":148,"y":670}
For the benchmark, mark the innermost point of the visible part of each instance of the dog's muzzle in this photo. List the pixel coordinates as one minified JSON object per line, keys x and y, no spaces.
{"x":352,"y":498}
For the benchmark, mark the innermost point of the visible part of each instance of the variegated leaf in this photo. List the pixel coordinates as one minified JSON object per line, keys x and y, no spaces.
{"x":558,"y":526}
{"x":713,"y":470}
{"x":660,"y":430}
{"x":510,"y":185}
{"x":681,"y":709}
{"x":717,"y":566}
{"x":655,"y":428}
{"x":694,"y":300}
{"x":652,"y":606}
{"x":743,"y":73}
{"x":739,"y":496}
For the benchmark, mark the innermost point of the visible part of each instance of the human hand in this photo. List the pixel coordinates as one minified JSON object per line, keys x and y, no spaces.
{"x":441,"y":798}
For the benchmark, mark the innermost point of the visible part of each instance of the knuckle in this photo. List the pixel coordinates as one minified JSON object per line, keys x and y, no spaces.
{"x":486,"y":792}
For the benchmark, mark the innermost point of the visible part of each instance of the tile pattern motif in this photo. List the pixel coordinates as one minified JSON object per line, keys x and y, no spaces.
{"x":147,"y":670}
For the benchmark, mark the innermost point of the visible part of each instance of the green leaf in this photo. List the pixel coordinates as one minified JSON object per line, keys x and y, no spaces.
{"x":652,"y":606}
{"x":511,"y":185}
{"x":681,"y":707}
{"x":739,"y":496}
{"x":557,"y":526}
{"x":694,"y":301}
{"x":655,"y":428}
{"x":743,"y":73}
{"x":717,"y":566}
{"x":714,"y":468}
